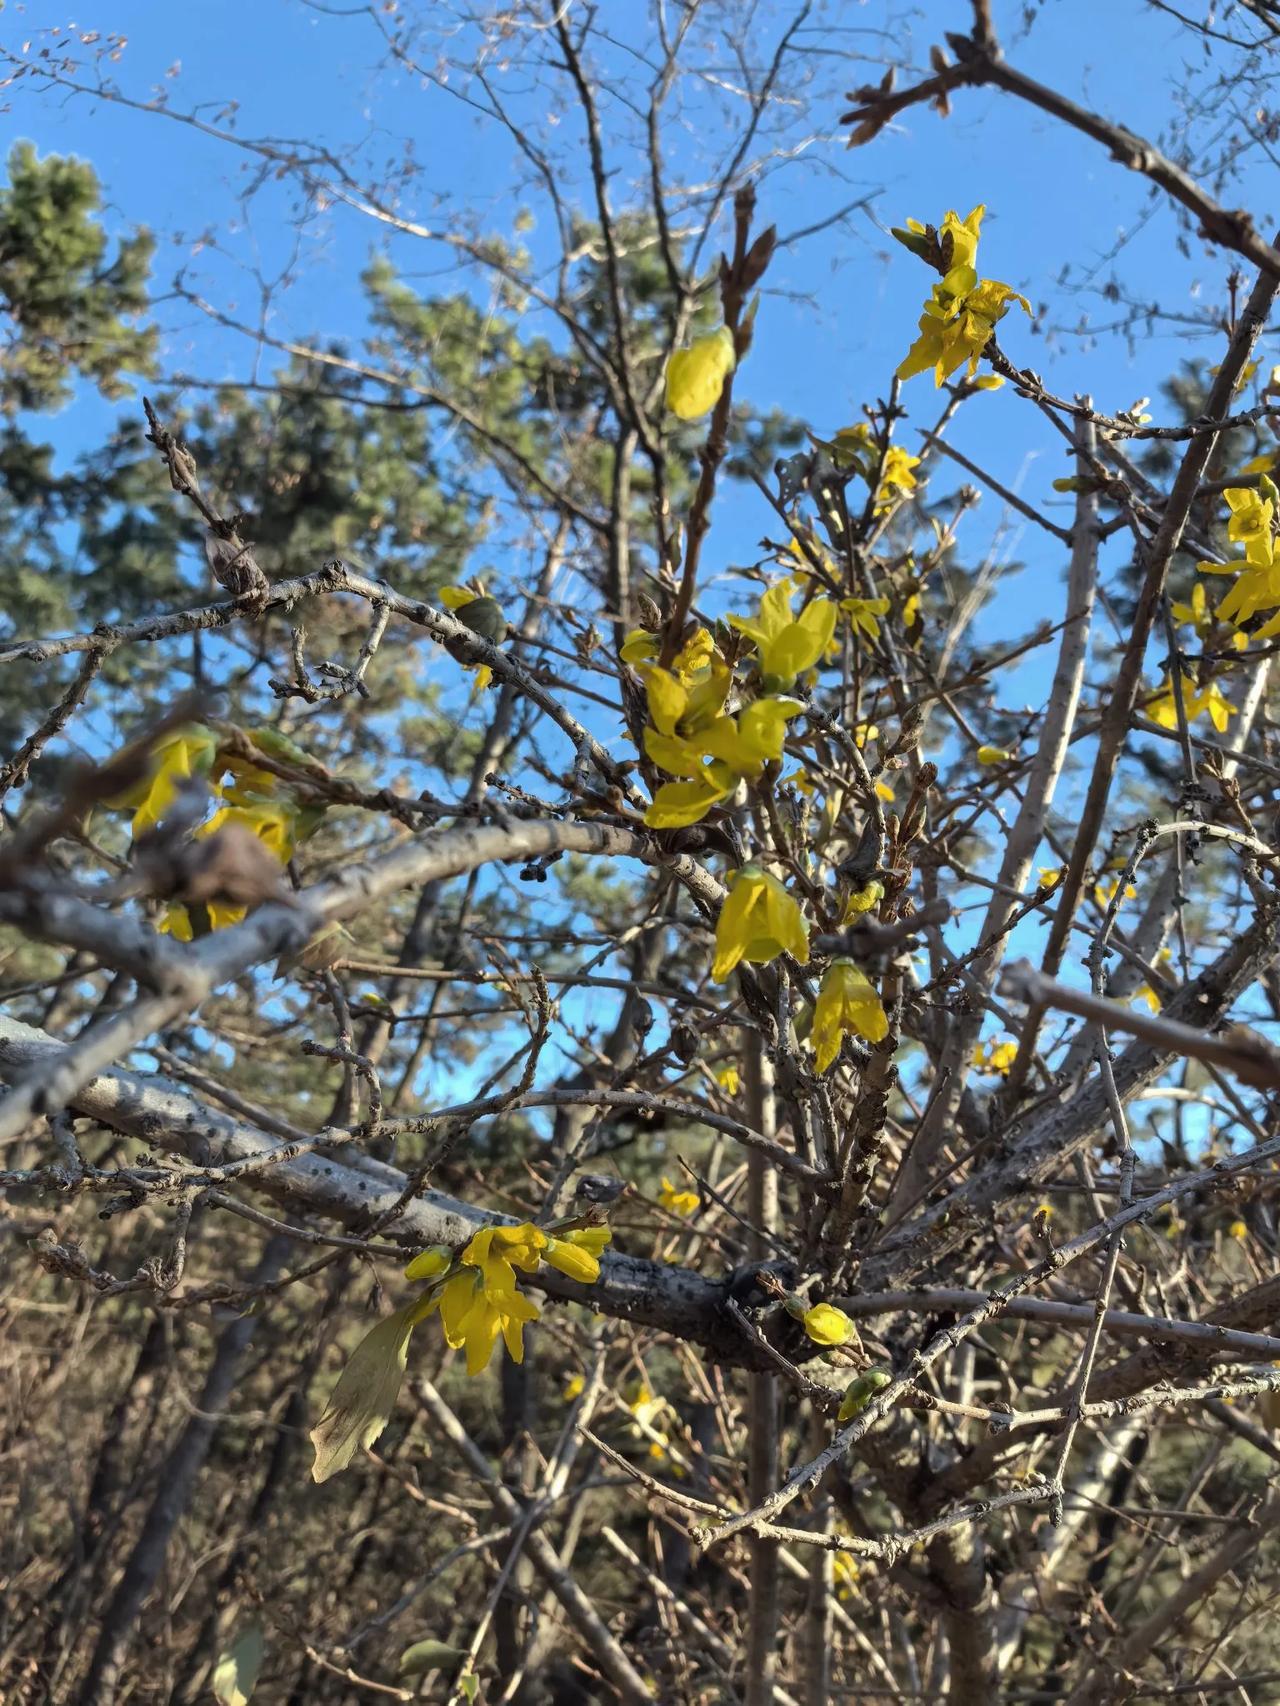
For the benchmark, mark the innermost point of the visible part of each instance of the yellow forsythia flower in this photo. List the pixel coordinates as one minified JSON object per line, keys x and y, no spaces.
{"x":897,"y":477}
{"x":862,"y":900}
{"x":273,"y":822}
{"x":430,"y":1263}
{"x":646,"y":1407}
{"x":995,"y":1057}
{"x":1237,"y":1230}
{"x":962,"y":310}
{"x":758,"y":921}
{"x":729,"y":1079}
{"x":862,"y":614}
{"x":847,"y":1004}
{"x":1258,"y":587}
{"x":696,"y":376}
{"x":691,"y":738}
{"x":573,"y":1387}
{"x":187,"y":751}
{"x":788,"y":646}
{"x":993,"y":755}
{"x":1208,"y":701}
{"x":676,"y":1201}
{"x":473,"y":1316}
{"x":1197,"y":612}
{"x":827,"y":1325}
{"x":577,"y":1253}
{"x":844,"y":1574}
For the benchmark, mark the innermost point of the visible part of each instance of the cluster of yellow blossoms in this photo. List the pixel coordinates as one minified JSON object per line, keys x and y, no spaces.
{"x":963,"y":310}
{"x":690,"y":736}
{"x":1256,"y":589}
{"x":478,"y":1299}
{"x":1257,"y":586}
{"x":760,"y":920}
{"x":476,"y":1291}
{"x":253,"y":798}
{"x":995,"y":1057}
{"x":692,"y":739}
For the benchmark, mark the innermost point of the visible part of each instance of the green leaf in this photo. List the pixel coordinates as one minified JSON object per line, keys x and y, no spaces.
{"x":236,"y":1672}
{"x":469,"y":1684}
{"x":423,"y":1656}
{"x":360,"y":1405}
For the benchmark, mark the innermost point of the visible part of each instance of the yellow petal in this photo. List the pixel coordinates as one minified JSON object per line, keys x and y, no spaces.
{"x":696,"y":376}
{"x":827,"y":1325}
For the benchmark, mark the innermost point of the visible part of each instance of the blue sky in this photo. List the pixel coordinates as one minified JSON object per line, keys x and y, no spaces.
{"x":840,"y":309}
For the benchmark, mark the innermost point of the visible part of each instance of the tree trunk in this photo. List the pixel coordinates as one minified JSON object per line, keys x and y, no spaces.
{"x":177,"y":1480}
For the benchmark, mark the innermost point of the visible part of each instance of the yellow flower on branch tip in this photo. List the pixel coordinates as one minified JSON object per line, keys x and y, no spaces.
{"x":573,"y":1387}
{"x":473,"y":1316}
{"x":1258,"y":586}
{"x":862,"y":614}
{"x":187,"y":751}
{"x":958,"y":320}
{"x":1252,"y":516}
{"x":273,"y":822}
{"x":1207,"y":701}
{"x":1238,"y":1230}
{"x":1197,"y":613}
{"x":1051,"y":876}
{"x":497,"y":1251}
{"x":844,"y":1574}
{"x":696,"y":376}
{"x":646,"y":1407}
{"x":678,"y":804}
{"x":676,"y":1201}
{"x":896,"y":477}
{"x":847,"y":1005}
{"x":862,"y":900}
{"x":788,"y":646}
{"x":995,"y":1057}
{"x":1144,"y":992}
{"x":642,"y":647}
{"x":577,"y":1253}
{"x":1265,"y":463}
{"x":827,"y":1325}
{"x":758,"y":921}
{"x":754,"y":738}
{"x":717,"y":752}
{"x":959,"y":237}
{"x":729,"y":1079}
{"x":686,"y":705}
{"x":175,"y":921}
{"x":993,"y":755}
